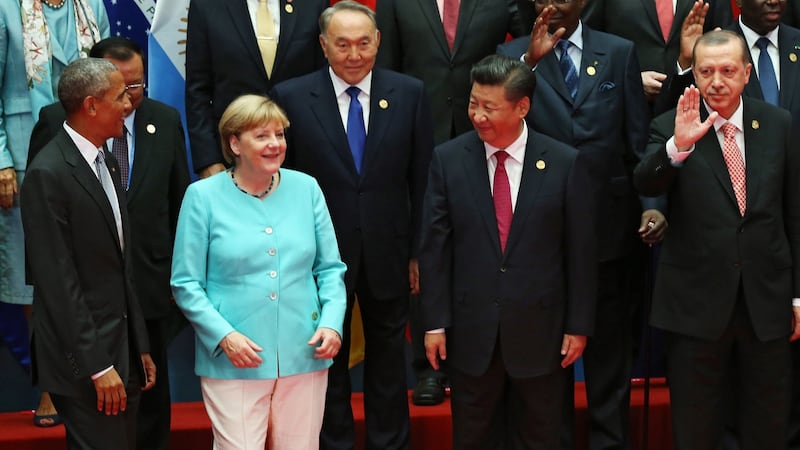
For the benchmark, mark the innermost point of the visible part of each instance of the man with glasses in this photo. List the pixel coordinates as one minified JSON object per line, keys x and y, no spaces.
{"x":155,"y":173}
{"x":589,"y":95}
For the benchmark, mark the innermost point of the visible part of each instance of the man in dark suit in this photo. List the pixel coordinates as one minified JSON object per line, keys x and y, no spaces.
{"x":157,"y":178}
{"x":607,"y":121}
{"x":640,"y":22}
{"x":508,"y":266}
{"x":366,"y":135}
{"x":414,"y":41}
{"x":89,"y":338}
{"x":728,"y":281}
{"x":228,"y":54}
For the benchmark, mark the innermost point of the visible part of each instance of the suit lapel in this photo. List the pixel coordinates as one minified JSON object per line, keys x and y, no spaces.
{"x":682,"y":8}
{"x":754,"y":160}
{"x":142,"y":152}
{"x":382,"y":104}
{"x":529,"y":185}
{"x":288,"y":21}
{"x":241,"y":17}
{"x":465,"y":12}
{"x":593,"y":56}
{"x":87,"y":178}
{"x":324,"y":106}
{"x":649,"y":7}
{"x":708,"y":149}
{"x":788,"y":45}
{"x":431,"y":13}
{"x":475,"y":168}
{"x":549,"y":70}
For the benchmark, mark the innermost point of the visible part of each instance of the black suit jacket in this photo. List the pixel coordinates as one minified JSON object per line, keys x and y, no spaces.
{"x":223,"y":62}
{"x":637,"y":21}
{"x":525,"y":299}
{"x":413,"y":42}
{"x":86,"y":315}
{"x":376,"y":214}
{"x":607,"y":122}
{"x":710,"y":250}
{"x":160,"y":175}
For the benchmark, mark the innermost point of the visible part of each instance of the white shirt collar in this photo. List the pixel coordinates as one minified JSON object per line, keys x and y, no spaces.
{"x":516,"y":150}
{"x":737,"y":118}
{"x":85,"y":147}
{"x":339,"y":85}
{"x":751,"y":36}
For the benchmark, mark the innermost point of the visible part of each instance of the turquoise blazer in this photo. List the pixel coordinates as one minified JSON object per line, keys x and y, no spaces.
{"x":269,"y":269}
{"x":17,"y":112}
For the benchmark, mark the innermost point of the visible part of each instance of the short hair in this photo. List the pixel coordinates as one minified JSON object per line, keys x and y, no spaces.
{"x":119,"y":48}
{"x":344,"y":5}
{"x":84,"y":78}
{"x":244,"y":113}
{"x":721,"y":37}
{"x":517,"y":78}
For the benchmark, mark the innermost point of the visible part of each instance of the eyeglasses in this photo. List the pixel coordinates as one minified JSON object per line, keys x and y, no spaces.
{"x":130,"y":87}
{"x":555,"y":2}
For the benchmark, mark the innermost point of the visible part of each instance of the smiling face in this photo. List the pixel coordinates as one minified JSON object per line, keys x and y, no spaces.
{"x":260,"y":150}
{"x":721,"y":74}
{"x":110,"y":109}
{"x":565,"y":15}
{"x":497,"y":120}
{"x":350,"y":44}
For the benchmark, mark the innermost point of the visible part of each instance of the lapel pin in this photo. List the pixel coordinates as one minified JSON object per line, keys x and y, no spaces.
{"x":793,"y":57}
{"x":151,"y":128}
{"x":383,"y":103}
{"x":754,"y":124}
{"x":289,"y":8}
{"x":591,"y":71}
{"x":540,"y":164}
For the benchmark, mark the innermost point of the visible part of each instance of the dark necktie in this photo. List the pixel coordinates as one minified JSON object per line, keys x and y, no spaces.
{"x":766,"y":73}
{"x":108,"y":187}
{"x":568,"y":69}
{"x":119,"y":148}
{"x":502,"y":199}
{"x":356,"y":133}
{"x":450,"y":21}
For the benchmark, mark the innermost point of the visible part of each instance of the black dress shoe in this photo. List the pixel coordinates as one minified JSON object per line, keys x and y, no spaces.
{"x":428,"y":392}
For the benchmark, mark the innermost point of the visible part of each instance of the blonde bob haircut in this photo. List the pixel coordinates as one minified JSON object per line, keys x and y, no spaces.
{"x":245,"y":113}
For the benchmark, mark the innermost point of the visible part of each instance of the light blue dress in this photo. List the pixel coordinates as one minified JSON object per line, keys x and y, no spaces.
{"x":19,"y":112}
{"x":269,"y":269}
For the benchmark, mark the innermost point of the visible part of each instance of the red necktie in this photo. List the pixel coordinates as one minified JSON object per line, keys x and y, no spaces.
{"x":665,"y":17}
{"x":502,"y":199}
{"x":733,"y":159}
{"x":450,"y":21}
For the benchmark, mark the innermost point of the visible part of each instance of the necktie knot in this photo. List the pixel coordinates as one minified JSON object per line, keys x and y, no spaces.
{"x":353,"y":92}
{"x":501,"y":157}
{"x":563,"y":46}
{"x":729,"y":130}
{"x":762,"y":43}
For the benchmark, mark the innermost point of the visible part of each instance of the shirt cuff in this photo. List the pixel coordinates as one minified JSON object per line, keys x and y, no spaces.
{"x":101,"y":373}
{"x":675,"y":157}
{"x":436,"y":331}
{"x":796,"y":302}
{"x":683,"y":71}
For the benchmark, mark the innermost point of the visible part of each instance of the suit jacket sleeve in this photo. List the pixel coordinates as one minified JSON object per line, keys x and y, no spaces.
{"x":655,"y":173}
{"x":420,"y":164}
{"x":199,"y":91}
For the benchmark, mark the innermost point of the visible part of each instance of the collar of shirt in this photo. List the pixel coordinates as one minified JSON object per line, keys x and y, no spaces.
{"x":576,"y":38}
{"x":274,"y":7}
{"x":85,"y":147}
{"x":737,"y":118}
{"x":516,"y":150}
{"x":751,"y":36}
{"x":343,"y":98}
{"x":516,"y":153}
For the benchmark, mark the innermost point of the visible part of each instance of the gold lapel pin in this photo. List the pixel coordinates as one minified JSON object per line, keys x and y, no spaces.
{"x":151,"y":128}
{"x":793,"y":57}
{"x":289,"y":8}
{"x":591,"y":71}
{"x":754,"y":124}
{"x":383,"y":103}
{"x":540,"y":164}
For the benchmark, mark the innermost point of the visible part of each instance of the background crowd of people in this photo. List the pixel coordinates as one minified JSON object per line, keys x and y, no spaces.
{"x":489,"y":173}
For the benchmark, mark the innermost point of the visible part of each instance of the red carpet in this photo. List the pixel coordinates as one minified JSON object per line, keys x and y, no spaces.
{"x":430,"y":426}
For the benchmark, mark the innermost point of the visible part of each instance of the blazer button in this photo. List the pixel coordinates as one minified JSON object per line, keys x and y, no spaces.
{"x":273,"y":273}
{"x":503,"y":269}
{"x":314,"y":315}
{"x":124,"y":315}
{"x":737,"y":265}
{"x":659,"y":169}
{"x":272,"y":252}
{"x":497,"y":302}
{"x":273,"y":296}
{"x":268,"y":230}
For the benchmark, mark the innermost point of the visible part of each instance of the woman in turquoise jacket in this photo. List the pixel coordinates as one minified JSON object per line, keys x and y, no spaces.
{"x":256,"y":270}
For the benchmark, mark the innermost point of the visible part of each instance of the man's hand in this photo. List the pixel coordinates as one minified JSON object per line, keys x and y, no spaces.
{"x":8,"y":187}
{"x":241,"y":350}
{"x":435,"y":348}
{"x":327,"y":342}
{"x":111,"y":395}
{"x":688,"y":127}
{"x":691,"y":29}
{"x":795,"y":323}
{"x":211,"y":170}
{"x":652,"y":227}
{"x":572,"y":348}
{"x":651,"y":80}
{"x":413,"y":275}
{"x":542,"y":43}
{"x":149,"y":371}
